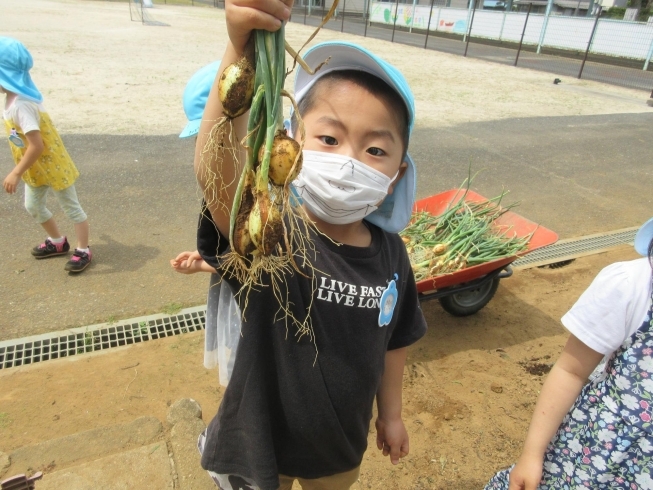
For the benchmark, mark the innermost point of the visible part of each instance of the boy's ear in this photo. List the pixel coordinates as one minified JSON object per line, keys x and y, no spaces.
{"x":402,"y":171}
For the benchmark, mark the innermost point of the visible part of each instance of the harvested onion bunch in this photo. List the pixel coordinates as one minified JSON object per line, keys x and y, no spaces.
{"x":463,"y":236}
{"x":269,"y":236}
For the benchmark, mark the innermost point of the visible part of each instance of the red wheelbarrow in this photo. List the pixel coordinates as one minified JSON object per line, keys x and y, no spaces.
{"x":466,"y":291}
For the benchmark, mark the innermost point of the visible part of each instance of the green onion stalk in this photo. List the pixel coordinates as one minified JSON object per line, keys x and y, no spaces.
{"x":269,"y":237}
{"x":464,"y":235}
{"x":256,"y":219}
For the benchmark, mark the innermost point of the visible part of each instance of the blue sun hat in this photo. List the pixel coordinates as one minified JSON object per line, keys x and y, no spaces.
{"x":15,"y":64}
{"x":394,"y":213}
{"x":643,"y":238}
{"x":195,"y":95}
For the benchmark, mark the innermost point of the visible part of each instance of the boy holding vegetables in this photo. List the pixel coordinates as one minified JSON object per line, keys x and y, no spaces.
{"x":300,"y":408}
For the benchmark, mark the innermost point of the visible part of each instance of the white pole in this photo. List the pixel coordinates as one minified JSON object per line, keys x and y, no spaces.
{"x":648,"y":57}
{"x":412,"y":18}
{"x":503,"y":23}
{"x":544,"y":25}
{"x":437,"y":21}
{"x":469,"y":14}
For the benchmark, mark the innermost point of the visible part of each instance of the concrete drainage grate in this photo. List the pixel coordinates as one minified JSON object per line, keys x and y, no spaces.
{"x":55,"y":345}
{"x":573,"y":248}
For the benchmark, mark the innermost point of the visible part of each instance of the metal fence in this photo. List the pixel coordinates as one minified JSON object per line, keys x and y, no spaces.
{"x":586,"y":45}
{"x":593,"y":48}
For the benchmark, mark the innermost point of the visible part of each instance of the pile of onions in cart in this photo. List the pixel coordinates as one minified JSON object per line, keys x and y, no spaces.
{"x":463,"y":236}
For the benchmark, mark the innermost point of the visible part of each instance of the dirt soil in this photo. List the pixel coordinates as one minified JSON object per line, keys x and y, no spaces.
{"x":470,"y":384}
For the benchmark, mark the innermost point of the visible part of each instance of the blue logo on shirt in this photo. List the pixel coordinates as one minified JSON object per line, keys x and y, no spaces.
{"x":388,"y":302}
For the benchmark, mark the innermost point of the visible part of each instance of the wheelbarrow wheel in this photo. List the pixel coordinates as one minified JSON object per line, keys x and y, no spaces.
{"x":471,"y":301}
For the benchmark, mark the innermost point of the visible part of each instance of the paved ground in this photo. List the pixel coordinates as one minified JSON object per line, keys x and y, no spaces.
{"x":576,"y":175}
{"x":139,"y":193}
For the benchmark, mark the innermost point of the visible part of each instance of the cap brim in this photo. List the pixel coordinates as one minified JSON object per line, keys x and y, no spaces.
{"x":191,"y":129}
{"x":643,"y":238}
{"x":396,"y":210}
{"x":20,"y":83}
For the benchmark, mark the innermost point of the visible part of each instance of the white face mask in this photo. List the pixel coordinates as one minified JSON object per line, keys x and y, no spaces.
{"x":339,"y":189}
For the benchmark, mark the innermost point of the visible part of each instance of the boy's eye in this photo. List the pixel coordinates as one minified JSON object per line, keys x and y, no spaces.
{"x":377,"y":152}
{"x":329,"y":140}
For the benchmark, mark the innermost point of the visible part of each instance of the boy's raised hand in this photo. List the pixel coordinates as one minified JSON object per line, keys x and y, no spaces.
{"x":243,"y":16}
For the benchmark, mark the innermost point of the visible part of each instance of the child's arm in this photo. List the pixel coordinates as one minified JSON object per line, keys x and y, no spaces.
{"x":32,"y":153}
{"x":190,"y":263}
{"x":560,"y":390}
{"x":391,"y":435}
{"x":243,"y":16}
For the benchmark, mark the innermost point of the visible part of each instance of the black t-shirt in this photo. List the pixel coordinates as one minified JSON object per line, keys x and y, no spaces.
{"x":209,"y":242}
{"x":299,"y":406}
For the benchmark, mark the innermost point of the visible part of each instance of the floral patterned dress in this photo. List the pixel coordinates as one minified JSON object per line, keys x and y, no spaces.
{"x":606,"y":439}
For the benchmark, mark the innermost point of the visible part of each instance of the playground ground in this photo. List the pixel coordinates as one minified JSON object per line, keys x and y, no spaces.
{"x":573,"y":154}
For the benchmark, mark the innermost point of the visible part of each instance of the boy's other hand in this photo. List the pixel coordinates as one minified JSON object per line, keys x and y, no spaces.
{"x":392,"y":438}
{"x":10,"y":183}
{"x":243,"y":16}
{"x":187,"y":262}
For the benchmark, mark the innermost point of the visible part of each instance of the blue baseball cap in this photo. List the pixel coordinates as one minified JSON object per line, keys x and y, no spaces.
{"x":394,"y":213}
{"x":643,"y":238}
{"x":15,"y":64}
{"x":195,"y":95}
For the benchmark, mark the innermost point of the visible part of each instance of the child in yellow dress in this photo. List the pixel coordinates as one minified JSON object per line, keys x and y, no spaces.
{"x":40,"y":156}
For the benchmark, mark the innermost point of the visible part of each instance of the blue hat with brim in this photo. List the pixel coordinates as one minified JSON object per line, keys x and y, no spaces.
{"x":15,"y":64}
{"x":195,"y":95}
{"x":394,"y":213}
{"x":643,"y":238}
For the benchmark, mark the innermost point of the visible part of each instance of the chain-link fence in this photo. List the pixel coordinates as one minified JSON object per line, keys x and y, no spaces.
{"x":571,"y":38}
{"x":563,"y":37}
